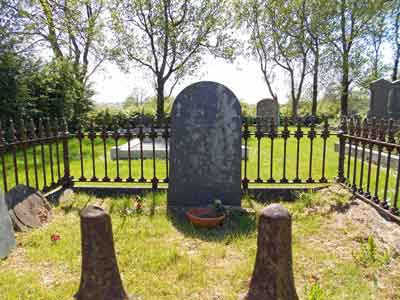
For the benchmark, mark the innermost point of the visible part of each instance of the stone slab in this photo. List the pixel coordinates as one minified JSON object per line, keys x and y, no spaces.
{"x":147,"y":150}
{"x":7,"y":237}
{"x":27,"y":207}
{"x":394,"y":159}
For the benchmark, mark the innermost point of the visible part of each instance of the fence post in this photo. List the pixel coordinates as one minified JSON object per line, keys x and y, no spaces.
{"x":342,"y":148}
{"x":67,"y":179}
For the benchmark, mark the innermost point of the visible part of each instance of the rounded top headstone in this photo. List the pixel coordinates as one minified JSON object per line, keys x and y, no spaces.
{"x":379,"y":81}
{"x":204,"y":90}
{"x":205,"y":146}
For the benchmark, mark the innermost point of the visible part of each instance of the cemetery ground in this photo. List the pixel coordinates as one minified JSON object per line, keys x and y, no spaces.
{"x":342,"y":249}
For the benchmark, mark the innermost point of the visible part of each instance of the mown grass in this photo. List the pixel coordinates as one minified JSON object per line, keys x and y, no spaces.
{"x":160,"y":258}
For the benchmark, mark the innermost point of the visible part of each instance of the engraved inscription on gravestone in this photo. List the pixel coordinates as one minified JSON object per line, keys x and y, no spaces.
{"x":205,"y":147}
{"x":267,"y":109}
{"x":378,"y":104}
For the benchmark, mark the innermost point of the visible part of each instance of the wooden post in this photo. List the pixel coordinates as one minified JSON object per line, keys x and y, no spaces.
{"x":273,"y":274}
{"x":100,"y":278}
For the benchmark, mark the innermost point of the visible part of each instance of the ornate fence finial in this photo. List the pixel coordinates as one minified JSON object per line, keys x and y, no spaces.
{"x":31,"y":129}
{"x":2,"y":138}
{"x":42,"y":133}
{"x":55,"y":128}
{"x":374,"y":129}
{"x":351,"y":126}
{"x":298,"y":133}
{"x":47,"y":128}
{"x":79,"y":131}
{"x":92,"y":131}
{"x":128,"y":133}
{"x":391,"y":132}
{"x":382,"y":130}
{"x":357,"y":130}
{"x":325,"y":131}
{"x":365,"y":128}
{"x":65,"y":127}
{"x":22,"y":132}
{"x":116,"y":134}
{"x":12,"y":133}
{"x":272,"y":130}
{"x":312,"y":133}
{"x":343,"y":125}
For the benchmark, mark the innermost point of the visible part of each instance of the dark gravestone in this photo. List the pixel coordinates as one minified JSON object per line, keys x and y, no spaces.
{"x":205,"y":147}
{"x":7,"y":238}
{"x":273,"y":273}
{"x":394,"y":100}
{"x":378,"y":103}
{"x":267,"y":110}
{"x":27,"y":207}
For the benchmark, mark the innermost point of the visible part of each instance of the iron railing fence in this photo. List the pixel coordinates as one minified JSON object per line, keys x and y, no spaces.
{"x":46,"y":155}
{"x":367,"y":150}
{"x":303,"y":158}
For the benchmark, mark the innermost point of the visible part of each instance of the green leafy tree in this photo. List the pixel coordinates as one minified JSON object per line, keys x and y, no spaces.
{"x":71,"y":29}
{"x":279,"y":38}
{"x":169,"y":38}
{"x":349,"y":21}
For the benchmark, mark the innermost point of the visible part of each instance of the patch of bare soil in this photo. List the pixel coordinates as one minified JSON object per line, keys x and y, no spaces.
{"x":350,"y":223}
{"x":364,"y":219}
{"x":18,"y":261}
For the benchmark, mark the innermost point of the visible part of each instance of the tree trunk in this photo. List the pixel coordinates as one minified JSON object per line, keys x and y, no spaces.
{"x":160,"y":101}
{"x":396,"y":65}
{"x":397,"y":55}
{"x":294,"y":108}
{"x":315,"y":84}
{"x":293,"y":93}
{"x":345,"y":85}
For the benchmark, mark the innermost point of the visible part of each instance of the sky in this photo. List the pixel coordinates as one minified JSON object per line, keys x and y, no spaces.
{"x":243,"y":77}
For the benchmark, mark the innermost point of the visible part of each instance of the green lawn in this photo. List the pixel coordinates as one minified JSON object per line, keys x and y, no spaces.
{"x":160,"y":259}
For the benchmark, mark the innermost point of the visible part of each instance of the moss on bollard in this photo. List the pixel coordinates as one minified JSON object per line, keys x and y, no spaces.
{"x":273,"y":274}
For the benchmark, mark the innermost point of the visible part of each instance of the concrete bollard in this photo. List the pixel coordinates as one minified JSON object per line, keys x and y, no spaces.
{"x":100,"y":278}
{"x":273,"y":274}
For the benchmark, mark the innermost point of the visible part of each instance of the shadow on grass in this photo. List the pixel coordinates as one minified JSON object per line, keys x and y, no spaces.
{"x":236,"y":225}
